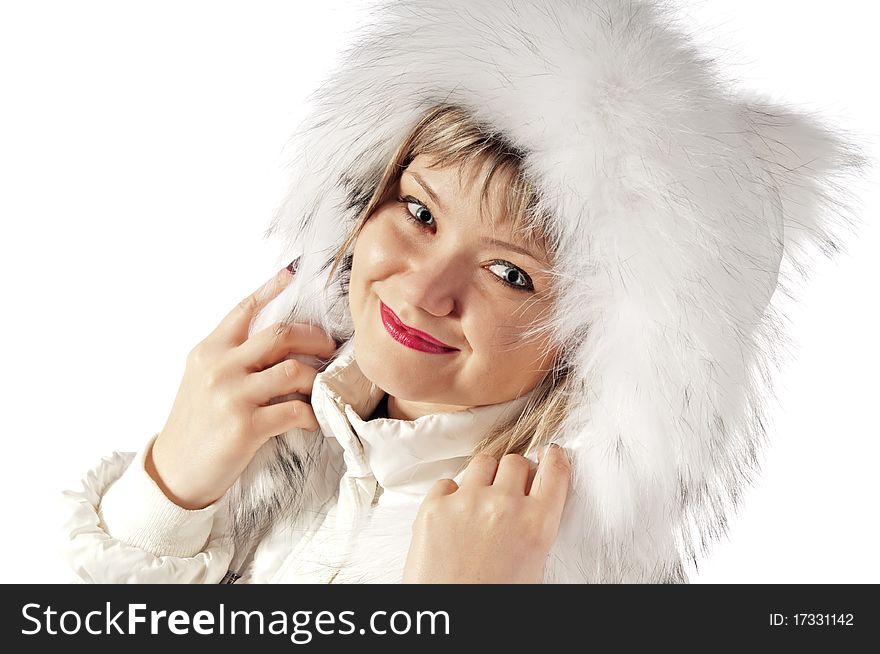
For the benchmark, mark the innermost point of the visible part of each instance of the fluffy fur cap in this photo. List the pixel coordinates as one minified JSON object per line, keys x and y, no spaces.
{"x":678,"y":206}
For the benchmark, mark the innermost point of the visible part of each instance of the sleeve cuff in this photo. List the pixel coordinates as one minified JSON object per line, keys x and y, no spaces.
{"x":136,"y":511}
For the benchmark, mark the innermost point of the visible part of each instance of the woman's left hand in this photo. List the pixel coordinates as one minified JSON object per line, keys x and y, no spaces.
{"x":497,"y":527}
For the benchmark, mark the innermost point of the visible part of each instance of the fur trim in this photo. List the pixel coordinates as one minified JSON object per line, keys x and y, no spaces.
{"x":677,"y":206}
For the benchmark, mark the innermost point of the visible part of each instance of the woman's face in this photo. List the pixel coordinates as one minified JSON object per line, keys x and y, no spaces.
{"x":429,"y":260}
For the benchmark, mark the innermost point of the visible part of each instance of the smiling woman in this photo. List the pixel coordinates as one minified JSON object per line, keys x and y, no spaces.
{"x":471,"y":267}
{"x":553,"y":225}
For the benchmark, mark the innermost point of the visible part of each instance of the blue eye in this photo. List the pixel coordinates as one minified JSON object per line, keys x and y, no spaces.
{"x":517,"y":274}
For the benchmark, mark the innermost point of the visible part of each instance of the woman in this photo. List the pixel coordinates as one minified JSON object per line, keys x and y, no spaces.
{"x":658,"y":211}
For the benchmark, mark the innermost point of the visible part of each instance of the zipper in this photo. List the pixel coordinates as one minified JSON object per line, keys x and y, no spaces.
{"x":376,"y":495}
{"x":230,"y":577}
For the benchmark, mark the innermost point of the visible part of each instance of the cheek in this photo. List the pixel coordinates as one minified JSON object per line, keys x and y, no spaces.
{"x":373,"y":260}
{"x":501,"y":324}
{"x":376,"y":248}
{"x":522,"y":367}
{"x":501,"y":335}
{"x":490,"y":329}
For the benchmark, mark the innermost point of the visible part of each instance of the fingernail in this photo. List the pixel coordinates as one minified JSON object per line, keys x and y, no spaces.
{"x":561,"y":451}
{"x":291,"y":268}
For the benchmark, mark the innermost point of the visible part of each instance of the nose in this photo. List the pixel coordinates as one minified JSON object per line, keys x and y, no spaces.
{"x":435,"y":286}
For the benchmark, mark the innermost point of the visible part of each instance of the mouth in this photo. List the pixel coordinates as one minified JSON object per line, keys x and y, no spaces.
{"x":412,"y":338}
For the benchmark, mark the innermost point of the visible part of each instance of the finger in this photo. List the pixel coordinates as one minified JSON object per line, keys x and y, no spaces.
{"x":541,"y":451}
{"x":533,"y":473}
{"x":270,"y":345}
{"x":233,"y":329}
{"x":533,"y":469}
{"x":480,"y":471}
{"x":513,"y":473}
{"x":552,"y":478}
{"x":442,"y":487}
{"x":278,"y":418}
{"x":288,"y":376}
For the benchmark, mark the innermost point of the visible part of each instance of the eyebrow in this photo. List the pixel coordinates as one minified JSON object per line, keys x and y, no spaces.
{"x":511,"y":246}
{"x":491,"y":241}
{"x":428,"y":189}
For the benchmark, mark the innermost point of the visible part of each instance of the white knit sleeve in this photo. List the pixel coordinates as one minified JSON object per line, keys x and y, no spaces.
{"x":119,"y":527}
{"x":136,"y":511}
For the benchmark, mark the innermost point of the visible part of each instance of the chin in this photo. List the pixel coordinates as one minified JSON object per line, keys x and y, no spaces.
{"x":385,"y":367}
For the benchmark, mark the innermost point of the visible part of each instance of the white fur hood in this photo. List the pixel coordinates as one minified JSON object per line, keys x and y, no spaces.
{"x":678,"y":206}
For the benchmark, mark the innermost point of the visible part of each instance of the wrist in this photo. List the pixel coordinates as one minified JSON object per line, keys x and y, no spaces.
{"x":191,"y":504}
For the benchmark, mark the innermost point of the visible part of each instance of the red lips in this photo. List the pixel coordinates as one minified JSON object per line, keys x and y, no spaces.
{"x":410,"y":336}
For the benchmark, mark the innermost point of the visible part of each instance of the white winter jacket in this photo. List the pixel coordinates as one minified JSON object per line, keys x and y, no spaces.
{"x":121,"y":528}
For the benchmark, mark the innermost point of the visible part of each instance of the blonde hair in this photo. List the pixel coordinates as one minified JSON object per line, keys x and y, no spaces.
{"x":448,"y":135}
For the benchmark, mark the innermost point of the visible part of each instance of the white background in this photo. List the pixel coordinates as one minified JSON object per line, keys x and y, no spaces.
{"x":140,"y":162}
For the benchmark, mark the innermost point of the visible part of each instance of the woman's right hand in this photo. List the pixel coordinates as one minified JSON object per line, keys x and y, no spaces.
{"x":221,"y":415}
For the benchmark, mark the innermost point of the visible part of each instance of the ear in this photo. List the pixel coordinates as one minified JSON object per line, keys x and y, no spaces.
{"x":810,"y":167}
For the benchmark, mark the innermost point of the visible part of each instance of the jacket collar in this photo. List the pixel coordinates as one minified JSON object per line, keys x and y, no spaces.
{"x":404,"y":456}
